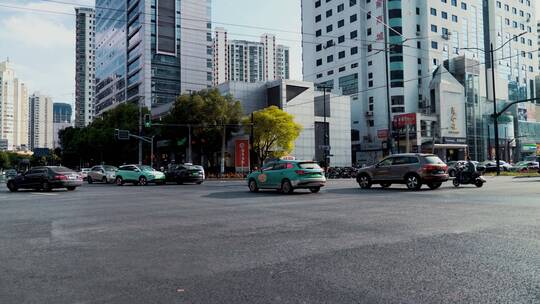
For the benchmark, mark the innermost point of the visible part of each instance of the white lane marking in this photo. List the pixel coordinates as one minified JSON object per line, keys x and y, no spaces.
{"x":40,"y":193}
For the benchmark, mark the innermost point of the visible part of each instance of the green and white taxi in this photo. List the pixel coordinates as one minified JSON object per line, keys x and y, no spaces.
{"x":287,"y":175}
{"x":139,"y":175}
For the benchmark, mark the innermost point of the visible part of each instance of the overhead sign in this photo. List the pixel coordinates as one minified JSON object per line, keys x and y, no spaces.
{"x":241,"y":153}
{"x":122,"y":134}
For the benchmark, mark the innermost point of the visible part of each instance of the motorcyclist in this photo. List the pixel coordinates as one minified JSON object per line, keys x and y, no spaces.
{"x":469,"y":170}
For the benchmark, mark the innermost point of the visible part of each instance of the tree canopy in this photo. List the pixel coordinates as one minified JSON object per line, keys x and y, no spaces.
{"x":274,"y":132}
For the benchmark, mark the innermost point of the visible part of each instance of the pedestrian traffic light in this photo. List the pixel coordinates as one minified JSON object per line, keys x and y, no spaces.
{"x":147,"y":121}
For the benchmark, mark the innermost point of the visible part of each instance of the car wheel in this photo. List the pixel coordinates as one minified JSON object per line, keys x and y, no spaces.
{"x":253,"y":186}
{"x":386,"y":185}
{"x":413,"y":182}
{"x":434,"y":186}
{"x":104,"y":180}
{"x":71,"y":188}
{"x":11,"y":186}
{"x":452,"y":173}
{"x":455,"y":182}
{"x":479,"y":184}
{"x":89,"y":180}
{"x":119,"y":181}
{"x":143,"y":181}
{"x":364,"y":181}
{"x":315,"y":189}
{"x":198,"y":183}
{"x":286,"y":187}
{"x":45,"y":186}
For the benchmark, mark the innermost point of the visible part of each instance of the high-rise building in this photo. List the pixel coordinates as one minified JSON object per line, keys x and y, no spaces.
{"x":384,"y":53}
{"x":62,"y":113}
{"x":13,"y":109}
{"x":85,"y":67}
{"x":249,"y":61}
{"x":164,"y":49}
{"x":41,"y":134}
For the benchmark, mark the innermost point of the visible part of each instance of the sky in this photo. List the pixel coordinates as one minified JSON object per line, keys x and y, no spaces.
{"x":41,"y":46}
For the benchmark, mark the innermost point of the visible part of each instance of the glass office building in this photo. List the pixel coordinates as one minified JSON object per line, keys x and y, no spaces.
{"x":151,"y":51}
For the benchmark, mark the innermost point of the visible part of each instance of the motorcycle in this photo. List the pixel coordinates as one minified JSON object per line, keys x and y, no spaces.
{"x":474,"y":178}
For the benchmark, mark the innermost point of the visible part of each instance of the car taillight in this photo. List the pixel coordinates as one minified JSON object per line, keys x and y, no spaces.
{"x":300,"y":172}
{"x":429,"y":168}
{"x":60,"y":177}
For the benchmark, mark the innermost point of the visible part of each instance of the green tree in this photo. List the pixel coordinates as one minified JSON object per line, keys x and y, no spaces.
{"x":208,"y":111}
{"x":274,"y":132}
{"x":96,"y":143}
{"x":4,"y":160}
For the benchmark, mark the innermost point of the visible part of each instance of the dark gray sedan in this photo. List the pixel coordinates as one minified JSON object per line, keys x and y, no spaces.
{"x":46,"y":179}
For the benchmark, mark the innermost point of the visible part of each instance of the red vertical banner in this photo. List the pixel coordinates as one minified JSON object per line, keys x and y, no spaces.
{"x":241,"y":153}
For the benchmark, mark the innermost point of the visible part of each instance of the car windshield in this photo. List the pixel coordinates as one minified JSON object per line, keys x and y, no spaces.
{"x":110,"y":168}
{"x":434,"y":160}
{"x":309,"y":166}
{"x":191,"y":167}
{"x":61,"y":170}
{"x":146,"y":168}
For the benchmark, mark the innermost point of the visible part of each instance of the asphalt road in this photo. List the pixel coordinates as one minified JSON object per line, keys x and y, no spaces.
{"x":218,"y":243}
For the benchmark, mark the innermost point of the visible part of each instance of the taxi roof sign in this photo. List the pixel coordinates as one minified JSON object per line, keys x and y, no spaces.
{"x":288,"y":157}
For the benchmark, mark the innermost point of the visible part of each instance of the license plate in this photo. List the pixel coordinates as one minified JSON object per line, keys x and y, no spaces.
{"x":439,"y":172}
{"x":71,"y":177}
{"x":194,"y":174}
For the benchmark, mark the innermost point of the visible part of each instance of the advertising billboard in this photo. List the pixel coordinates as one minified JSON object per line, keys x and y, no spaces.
{"x":241,"y":159}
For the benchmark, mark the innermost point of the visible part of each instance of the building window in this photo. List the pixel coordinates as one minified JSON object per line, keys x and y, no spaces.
{"x":330,"y":58}
{"x":353,"y":18}
{"x":341,"y":55}
{"x":444,"y":15}
{"x":464,"y":5}
{"x":340,"y":7}
{"x":354,"y":50}
{"x":434,"y":28}
{"x":454,"y":18}
{"x":328,"y":13}
{"x":433,"y":11}
{"x":318,"y":18}
{"x":434,"y":45}
{"x":319,"y":62}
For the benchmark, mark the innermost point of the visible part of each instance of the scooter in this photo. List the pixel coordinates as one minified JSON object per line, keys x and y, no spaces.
{"x":475,"y":178}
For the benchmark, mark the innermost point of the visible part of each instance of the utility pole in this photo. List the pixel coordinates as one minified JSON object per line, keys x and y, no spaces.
{"x":495,"y":117}
{"x":390,"y":143}
{"x":140,"y":132}
{"x":190,"y":157}
{"x":251,"y":143}
{"x":223,"y":146}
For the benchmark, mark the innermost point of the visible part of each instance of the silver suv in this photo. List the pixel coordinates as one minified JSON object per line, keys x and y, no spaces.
{"x":413,"y":170}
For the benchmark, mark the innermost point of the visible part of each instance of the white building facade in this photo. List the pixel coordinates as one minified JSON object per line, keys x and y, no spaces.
{"x":85,"y":67}
{"x":300,"y":99}
{"x":41,"y":129}
{"x":384,"y":53}
{"x":249,"y":61}
{"x":13,"y":109}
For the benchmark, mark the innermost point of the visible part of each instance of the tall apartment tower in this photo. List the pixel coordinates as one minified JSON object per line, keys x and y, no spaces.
{"x":13,"y":109}
{"x":85,"y":67}
{"x":282,"y":62}
{"x":41,"y":134}
{"x":164,"y":49}
{"x":249,"y":61}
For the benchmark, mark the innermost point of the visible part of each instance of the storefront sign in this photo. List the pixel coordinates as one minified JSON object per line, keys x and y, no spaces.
{"x":382,"y":134}
{"x":454,"y":140}
{"x":403,"y":120}
{"x":529,"y":148}
{"x":242,"y":153}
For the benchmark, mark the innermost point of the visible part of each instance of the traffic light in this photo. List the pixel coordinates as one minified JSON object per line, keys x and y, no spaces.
{"x":147,"y":121}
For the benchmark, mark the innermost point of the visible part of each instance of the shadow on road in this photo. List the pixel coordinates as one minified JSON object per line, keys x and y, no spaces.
{"x":269,"y":193}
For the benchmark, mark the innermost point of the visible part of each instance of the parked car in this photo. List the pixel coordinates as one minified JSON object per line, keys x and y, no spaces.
{"x":9,"y":174}
{"x":490,"y":165}
{"x":46,"y":179}
{"x":186,"y":173}
{"x":104,"y":174}
{"x":139,"y":175}
{"x":525,"y":166}
{"x":84,"y":173}
{"x":453,"y":166}
{"x":413,"y":170}
{"x":287,"y":175}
